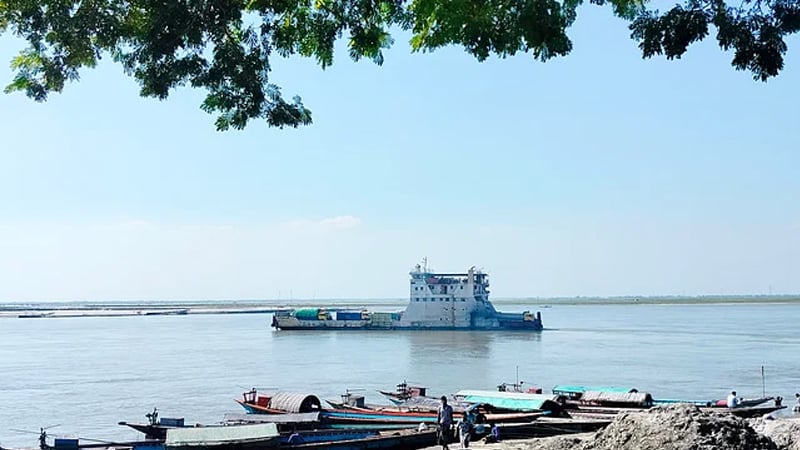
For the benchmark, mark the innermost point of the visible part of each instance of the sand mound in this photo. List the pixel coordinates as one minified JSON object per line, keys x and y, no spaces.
{"x":785,"y":433}
{"x":679,"y":427}
{"x":674,"y":427}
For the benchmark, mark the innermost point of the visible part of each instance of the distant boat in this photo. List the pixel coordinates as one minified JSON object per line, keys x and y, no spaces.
{"x":35,"y":315}
{"x":171,"y":312}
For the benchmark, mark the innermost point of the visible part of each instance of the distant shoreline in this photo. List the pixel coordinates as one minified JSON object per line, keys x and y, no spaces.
{"x":152,"y":308}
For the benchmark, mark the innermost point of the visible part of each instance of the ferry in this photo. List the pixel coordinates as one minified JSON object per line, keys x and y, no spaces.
{"x":443,"y":301}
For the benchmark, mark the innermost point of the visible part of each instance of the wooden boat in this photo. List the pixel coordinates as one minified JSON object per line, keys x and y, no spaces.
{"x":579,"y":396}
{"x":409,"y":439}
{"x":40,"y":315}
{"x":574,"y":392}
{"x":513,"y":401}
{"x":234,"y":437}
{"x":412,"y":404}
{"x":423,"y":403}
{"x":748,"y":411}
{"x":430,"y":407}
{"x":282,"y":403}
{"x":363,"y":439}
{"x":326,"y":435}
{"x":389,"y":417}
{"x":744,"y":402}
{"x":307,"y":427}
{"x":170,"y":312}
{"x":404,"y":392}
{"x":431,"y":404}
{"x":546,"y":426}
{"x":634,"y":400}
{"x":413,"y":418}
{"x":285,"y":422}
{"x":157,"y":430}
{"x":94,"y":444}
{"x":723,"y":403}
{"x":351,"y":416}
{"x":80,"y":444}
{"x":518,"y":387}
{"x":220,"y":436}
{"x":354,"y":415}
{"x":599,"y":412}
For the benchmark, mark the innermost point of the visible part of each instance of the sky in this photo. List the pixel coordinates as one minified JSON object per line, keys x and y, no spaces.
{"x":597,"y":174}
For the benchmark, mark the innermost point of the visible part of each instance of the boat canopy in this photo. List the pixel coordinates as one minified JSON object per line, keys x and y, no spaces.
{"x":618,"y":398}
{"x":222,"y":435}
{"x":290,"y":418}
{"x":565,"y":389}
{"x":293,"y":402}
{"x":671,"y":401}
{"x":517,"y":401}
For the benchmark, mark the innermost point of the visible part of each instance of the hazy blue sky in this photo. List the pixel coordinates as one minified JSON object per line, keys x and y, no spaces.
{"x":595,"y":174}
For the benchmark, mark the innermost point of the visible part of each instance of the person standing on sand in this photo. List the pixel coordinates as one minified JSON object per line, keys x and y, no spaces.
{"x":445,"y":421}
{"x":796,"y":407}
{"x":464,"y":427}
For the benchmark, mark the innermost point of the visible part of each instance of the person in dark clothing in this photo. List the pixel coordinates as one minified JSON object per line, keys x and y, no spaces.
{"x":445,"y":421}
{"x":494,"y":436}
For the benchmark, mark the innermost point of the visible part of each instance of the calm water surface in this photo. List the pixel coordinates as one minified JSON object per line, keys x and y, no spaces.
{"x":86,"y":374}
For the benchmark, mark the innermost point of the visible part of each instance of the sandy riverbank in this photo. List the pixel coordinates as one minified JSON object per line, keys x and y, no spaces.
{"x":674,"y":427}
{"x":126,"y":311}
{"x":146,"y":308}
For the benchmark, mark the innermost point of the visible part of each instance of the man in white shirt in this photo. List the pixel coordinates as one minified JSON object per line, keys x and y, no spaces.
{"x":733,"y":402}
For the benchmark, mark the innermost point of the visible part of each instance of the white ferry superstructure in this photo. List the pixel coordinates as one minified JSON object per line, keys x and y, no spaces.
{"x":443,"y":301}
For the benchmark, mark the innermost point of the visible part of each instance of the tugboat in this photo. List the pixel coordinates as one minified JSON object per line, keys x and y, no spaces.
{"x":444,"y":301}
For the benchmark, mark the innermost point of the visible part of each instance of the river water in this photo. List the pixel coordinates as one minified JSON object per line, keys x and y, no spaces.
{"x":86,"y":374}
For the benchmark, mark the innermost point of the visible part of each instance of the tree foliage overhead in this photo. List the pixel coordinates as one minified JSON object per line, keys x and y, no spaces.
{"x":225,"y":46}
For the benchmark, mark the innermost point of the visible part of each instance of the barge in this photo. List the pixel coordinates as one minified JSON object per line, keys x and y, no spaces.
{"x":443,"y":301}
